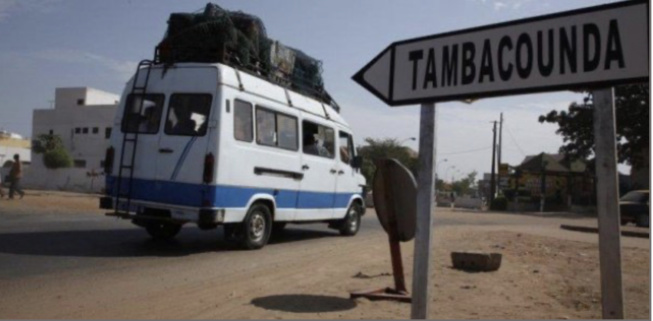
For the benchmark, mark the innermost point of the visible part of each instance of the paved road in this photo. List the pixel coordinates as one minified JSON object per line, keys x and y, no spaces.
{"x":42,"y":242}
{"x":38,"y":243}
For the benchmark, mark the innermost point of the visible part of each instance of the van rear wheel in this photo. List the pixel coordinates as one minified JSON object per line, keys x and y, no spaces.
{"x":256,"y":227}
{"x":350,"y":225}
{"x":162,"y":230}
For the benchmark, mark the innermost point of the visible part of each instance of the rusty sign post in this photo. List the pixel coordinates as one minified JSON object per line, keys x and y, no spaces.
{"x":394,"y":191}
{"x":596,"y":47}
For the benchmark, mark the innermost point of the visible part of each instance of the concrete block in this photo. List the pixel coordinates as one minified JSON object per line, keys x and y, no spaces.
{"x":476,"y":261}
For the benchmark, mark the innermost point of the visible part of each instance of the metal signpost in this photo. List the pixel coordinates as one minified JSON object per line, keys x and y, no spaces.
{"x":591,"y":48}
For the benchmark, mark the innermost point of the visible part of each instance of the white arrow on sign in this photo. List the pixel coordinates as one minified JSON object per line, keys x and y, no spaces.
{"x":597,"y":46}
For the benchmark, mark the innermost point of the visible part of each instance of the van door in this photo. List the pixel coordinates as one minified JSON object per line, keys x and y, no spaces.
{"x":142,"y":115}
{"x":317,"y":191}
{"x":347,"y":184}
{"x":183,"y":145}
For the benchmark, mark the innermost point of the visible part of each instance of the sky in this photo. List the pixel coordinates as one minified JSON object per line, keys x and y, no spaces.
{"x":45,"y":44}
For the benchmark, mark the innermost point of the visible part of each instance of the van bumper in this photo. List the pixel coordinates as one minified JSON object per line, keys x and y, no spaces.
{"x":210,"y":216}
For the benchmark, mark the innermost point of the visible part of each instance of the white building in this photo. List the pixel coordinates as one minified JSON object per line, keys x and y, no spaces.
{"x":83,"y":118}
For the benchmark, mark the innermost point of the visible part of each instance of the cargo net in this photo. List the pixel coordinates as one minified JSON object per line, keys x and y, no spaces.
{"x":240,"y":40}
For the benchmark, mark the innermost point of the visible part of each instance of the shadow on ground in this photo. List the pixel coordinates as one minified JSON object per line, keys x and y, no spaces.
{"x":132,"y":242}
{"x":302,"y":303}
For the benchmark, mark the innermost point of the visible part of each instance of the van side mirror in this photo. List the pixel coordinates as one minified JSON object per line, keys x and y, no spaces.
{"x":357,"y":162}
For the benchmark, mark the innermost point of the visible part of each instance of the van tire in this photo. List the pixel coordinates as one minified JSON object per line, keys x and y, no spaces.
{"x":256,"y":227}
{"x":350,"y":225}
{"x":162,"y":230}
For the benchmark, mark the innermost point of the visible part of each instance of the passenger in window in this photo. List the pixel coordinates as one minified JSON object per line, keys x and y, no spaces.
{"x":312,"y":146}
{"x":185,"y":125}
{"x":344,"y":154}
{"x":266,"y":130}
{"x":150,"y":121}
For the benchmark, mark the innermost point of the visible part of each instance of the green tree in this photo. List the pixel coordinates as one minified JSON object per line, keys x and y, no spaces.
{"x":465,"y":185}
{"x":384,"y":148}
{"x":54,"y":153}
{"x":575,"y":125}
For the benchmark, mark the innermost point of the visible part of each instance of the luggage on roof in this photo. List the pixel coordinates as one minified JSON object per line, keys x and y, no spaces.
{"x":240,"y":40}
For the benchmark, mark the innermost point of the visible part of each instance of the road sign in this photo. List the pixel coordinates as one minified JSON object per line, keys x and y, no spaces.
{"x":591,"y":47}
{"x":395,"y":191}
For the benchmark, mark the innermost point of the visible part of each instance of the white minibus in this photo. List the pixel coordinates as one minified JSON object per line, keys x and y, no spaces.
{"x":214,"y":145}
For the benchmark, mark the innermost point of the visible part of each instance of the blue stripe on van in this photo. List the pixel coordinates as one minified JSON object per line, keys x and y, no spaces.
{"x":222,"y":196}
{"x":182,"y":158}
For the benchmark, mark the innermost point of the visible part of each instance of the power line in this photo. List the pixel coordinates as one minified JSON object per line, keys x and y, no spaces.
{"x":467,"y":151}
{"x":515,"y":142}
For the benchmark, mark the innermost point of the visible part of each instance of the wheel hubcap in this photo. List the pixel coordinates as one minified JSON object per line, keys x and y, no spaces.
{"x":353,"y":222}
{"x":257,"y":226}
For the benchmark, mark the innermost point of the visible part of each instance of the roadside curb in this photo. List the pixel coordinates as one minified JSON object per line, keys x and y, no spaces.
{"x":588,"y":229}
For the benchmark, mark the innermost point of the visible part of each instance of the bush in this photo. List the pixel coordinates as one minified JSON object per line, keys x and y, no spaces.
{"x":499,"y":204}
{"x":57,"y":158}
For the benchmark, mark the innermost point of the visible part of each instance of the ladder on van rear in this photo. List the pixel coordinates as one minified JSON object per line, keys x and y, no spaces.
{"x":124,"y":193}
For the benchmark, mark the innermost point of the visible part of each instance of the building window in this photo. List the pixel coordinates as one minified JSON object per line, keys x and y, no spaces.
{"x":107,"y":132}
{"x":80,"y":102}
{"x":243,"y":130}
{"x":78,"y":130}
{"x":96,"y":130}
{"x":85,"y":130}
{"x":80,"y":163}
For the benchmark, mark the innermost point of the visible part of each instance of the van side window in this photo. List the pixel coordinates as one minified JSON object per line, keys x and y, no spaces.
{"x":145,"y":118}
{"x":346,"y":148}
{"x":276,"y":129}
{"x":318,"y":140}
{"x":243,"y":130}
{"x":188,"y":114}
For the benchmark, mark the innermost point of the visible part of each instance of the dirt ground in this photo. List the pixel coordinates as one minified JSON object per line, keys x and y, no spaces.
{"x":545,"y":274}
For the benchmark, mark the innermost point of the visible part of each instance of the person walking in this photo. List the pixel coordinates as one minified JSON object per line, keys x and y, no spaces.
{"x":2,"y":193}
{"x":15,"y":175}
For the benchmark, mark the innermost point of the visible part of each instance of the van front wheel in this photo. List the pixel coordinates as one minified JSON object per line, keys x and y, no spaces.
{"x":162,"y":230}
{"x":350,"y":225}
{"x":257,"y":227}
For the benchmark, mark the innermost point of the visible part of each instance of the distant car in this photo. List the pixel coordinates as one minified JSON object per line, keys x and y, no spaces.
{"x":369,"y":199}
{"x":635,"y":208}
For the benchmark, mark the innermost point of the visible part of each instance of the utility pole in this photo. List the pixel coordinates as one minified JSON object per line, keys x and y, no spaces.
{"x":500,"y":142}
{"x":494,"y":151}
{"x":543,"y":183}
{"x":499,"y":150}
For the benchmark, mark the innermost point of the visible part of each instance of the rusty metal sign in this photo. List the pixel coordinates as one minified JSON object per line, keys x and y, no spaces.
{"x":395,"y":194}
{"x":395,"y":198}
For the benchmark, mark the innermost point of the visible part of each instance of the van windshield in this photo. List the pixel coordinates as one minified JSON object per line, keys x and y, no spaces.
{"x":188,"y":114}
{"x":142,"y":113}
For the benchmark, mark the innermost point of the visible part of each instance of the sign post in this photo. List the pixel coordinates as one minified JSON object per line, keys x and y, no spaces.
{"x":425,"y":207}
{"x":594,"y":47}
{"x":608,"y":204}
